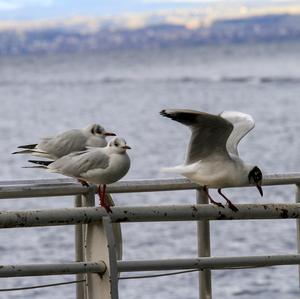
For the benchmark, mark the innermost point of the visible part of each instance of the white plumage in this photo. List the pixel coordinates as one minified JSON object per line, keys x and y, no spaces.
{"x":212,"y":158}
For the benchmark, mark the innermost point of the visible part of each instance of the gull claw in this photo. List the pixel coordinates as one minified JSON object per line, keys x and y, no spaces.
{"x":232,"y":206}
{"x":219,"y":204}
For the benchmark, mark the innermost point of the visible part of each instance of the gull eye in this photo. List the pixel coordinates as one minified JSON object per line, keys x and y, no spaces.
{"x":96,"y":129}
{"x":100,"y":130}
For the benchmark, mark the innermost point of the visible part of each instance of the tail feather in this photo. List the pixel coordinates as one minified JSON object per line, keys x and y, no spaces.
{"x":175,"y":169}
{"x":181,"y":169}
{"x":34,"y":152}
{"x":40,"y":162}
{"x":28,"y":146}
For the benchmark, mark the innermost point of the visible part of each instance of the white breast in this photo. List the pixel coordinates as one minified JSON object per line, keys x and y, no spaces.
{"x":218,"y":174}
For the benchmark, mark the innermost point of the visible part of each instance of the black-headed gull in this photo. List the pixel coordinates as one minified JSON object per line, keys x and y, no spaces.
{"x":95,"y":165}
{"x":67,"y":142}
{"x":212,"y":158}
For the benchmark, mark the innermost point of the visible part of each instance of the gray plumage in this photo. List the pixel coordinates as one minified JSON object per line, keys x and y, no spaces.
{"x":67,"y":142}
{"x":209,"y":133}
{"x":78,"y":163}
{"x":94,"y":165}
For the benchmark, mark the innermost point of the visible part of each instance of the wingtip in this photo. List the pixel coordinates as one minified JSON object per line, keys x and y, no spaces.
{"x":23,"y":151}
{"x":28,"y":146}
{"x":41,"y":162}
{"x":165,"y":113}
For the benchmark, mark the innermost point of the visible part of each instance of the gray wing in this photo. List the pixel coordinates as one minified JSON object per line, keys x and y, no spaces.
{"x":209,"y":133}
{"x":64,"y":143}
{"x":77,"y":163}
{"x":242,"y":124}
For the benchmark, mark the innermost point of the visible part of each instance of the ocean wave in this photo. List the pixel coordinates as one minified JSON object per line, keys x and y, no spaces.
{"x":63,"y":81}
{"x":236,"y":79}
{"x":183,"y":79}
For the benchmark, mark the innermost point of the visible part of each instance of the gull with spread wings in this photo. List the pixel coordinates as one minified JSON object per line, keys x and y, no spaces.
{"x":212,"y":158}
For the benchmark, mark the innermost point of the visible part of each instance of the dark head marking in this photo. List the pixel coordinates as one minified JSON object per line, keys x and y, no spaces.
{"x":255,"y":175}
{"x":96,"y":129}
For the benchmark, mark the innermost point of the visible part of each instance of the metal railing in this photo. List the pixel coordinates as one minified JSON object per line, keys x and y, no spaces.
{"x":98,"y":239}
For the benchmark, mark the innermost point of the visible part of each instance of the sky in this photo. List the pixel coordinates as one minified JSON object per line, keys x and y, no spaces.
{"x":49,"y":9}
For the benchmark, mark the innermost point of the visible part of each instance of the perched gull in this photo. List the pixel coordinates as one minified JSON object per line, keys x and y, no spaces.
{"x":67,"y":142}
{"x":96,"y":165}
{"x":212,"y":158}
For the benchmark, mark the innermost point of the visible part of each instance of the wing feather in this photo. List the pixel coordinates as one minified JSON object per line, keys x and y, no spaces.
{"x":78,"y":163}
{"x":209,"y":133}
{"x":242,"y":125}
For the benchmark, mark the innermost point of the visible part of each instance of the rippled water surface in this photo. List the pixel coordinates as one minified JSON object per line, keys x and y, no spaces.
{"x":124,"y":91}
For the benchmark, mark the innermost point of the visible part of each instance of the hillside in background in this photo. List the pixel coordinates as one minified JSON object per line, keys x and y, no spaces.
{"x":62,"y":38}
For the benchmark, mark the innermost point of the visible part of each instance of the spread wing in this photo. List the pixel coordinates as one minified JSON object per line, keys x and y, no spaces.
{"x":209,"y":133}
{"x":242,"y":124}
{"x":78,"y":163}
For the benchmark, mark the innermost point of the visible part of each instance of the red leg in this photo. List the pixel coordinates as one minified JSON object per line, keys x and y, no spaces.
{"x":102,"y":201}
{"x":102,"y":196}
{"x":205,"y":189}
{"x":230,"y":204}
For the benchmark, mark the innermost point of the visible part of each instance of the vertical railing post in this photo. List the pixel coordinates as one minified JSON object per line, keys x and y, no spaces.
{"x":298,"y":226}
{"x":79,"y":250}
{"x":203,"y":233}
{"x":88,"y":200}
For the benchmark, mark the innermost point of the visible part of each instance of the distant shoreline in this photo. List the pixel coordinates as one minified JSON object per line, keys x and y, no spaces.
{"x":60,"y":39}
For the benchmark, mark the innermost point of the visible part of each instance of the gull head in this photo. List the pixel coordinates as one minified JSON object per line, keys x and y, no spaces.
{"x":118,"y":145}
{"x":97,"y":130}
{"x":255,"y":177}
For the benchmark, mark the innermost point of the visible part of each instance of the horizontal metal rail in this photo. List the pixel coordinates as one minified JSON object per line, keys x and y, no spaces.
{"x":61,"y":187}
{"x":71,"y":216}
{"x":208,"y":263}
{"x":85,"y":215}
{"x":52,"y":269}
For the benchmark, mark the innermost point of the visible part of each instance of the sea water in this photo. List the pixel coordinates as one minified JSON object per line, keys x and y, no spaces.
{"x":124,"y":91}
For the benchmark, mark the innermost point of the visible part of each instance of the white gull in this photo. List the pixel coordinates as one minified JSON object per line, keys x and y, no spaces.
{"x":212,"y":158}
{"x":67,"y":142}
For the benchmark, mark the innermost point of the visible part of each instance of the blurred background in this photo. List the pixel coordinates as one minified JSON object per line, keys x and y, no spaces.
{"x":65,"y":64}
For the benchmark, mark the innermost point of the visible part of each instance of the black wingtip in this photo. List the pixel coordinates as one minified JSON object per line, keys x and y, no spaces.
{"x":165,"y":113}
{"x":28,"y":146}
{"x":40,"y":162}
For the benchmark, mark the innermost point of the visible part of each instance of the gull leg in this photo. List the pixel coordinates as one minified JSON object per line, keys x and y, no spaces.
{"x":106,"y":204}
{"x":100,"y":196}
{"x":103,"y":201}
{"x":230,"y":204}
{"x":205,"y":189}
